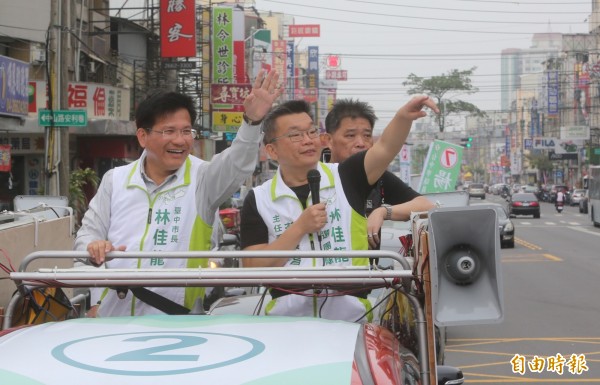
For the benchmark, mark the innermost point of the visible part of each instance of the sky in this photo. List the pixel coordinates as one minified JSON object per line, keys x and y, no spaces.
{"x":381,"y":42}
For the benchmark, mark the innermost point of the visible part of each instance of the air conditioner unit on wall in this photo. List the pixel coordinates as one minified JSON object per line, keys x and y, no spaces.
{"x":38,"y":54}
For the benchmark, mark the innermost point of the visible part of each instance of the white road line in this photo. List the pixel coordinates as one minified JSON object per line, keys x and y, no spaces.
{"x":550,"y":223}
{"x":584,"y":230}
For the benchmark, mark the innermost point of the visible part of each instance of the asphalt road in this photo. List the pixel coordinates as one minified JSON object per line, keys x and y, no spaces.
{"x":551,"y":328}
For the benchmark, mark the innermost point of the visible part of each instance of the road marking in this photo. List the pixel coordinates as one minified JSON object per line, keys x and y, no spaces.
{"x":475,"y":377}
{"x":583,"y":230}
{"x":550,"y":223}
{"x":552,"y":257}
{"x":527,"y":244}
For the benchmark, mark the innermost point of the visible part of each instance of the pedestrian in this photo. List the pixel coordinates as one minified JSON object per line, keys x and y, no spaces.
{"x":167,"y":199}
{"x":276,"y":215}
{"x":349,"y":126}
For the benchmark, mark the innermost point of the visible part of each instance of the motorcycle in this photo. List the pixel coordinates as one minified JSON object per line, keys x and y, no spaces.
{"x":559,"y":207}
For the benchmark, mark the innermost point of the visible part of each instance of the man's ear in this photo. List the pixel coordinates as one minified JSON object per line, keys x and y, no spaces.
{"x":271,"y":151}
{"x":325,"y":139}
{"x":142,"y":136}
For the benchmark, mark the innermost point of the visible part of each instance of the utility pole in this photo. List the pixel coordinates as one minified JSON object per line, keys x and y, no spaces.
{"x":57,"y":138}
{"x":63,"y":132}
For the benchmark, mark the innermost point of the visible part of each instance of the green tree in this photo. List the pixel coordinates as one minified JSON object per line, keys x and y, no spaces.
{"x":77,"y":198}
{"x":444,"y":87}
{"x":541,"y":161}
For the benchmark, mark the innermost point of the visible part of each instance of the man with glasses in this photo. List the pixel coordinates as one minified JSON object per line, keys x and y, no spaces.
{"x":167,"y":199}
{"x":277,"y":215}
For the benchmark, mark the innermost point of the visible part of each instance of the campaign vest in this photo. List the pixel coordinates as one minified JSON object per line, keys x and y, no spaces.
{"x":279,"y":207}
{"x":168,"y":222}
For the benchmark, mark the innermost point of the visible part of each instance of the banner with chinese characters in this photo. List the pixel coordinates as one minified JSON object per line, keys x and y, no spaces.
{"x":307,"y":94}
{"x":177,"y":28}
{"x":290,"y":68}
{"x":304,"y":30}
{"x":312,"y":72}
{"x":100,"y":101}
{"x":227,"y":120}
{"x":229,"y":93}
{"x":222,"y":39}
{"x":14,"y":90}
{"x":279,"y":53}
{"x":336,"y":74}
{"x":441,"y":168}
{"x":5,"y":158}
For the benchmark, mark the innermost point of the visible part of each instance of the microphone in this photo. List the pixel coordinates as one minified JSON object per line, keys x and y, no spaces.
{"x":314,"y":181}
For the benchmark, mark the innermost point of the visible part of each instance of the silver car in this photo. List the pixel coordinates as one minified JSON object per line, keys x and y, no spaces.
{"x":476,"y":190}
{"x":577,"y":195}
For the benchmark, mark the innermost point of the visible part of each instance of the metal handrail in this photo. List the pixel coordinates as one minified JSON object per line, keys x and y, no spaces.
{"x":368,"y":276}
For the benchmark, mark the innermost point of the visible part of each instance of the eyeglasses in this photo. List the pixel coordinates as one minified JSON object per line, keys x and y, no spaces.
{"x":298,"y":135}
{"x":171,"y":133}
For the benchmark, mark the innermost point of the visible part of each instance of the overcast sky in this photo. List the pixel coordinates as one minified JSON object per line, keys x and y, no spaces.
{"x":382,"y":41}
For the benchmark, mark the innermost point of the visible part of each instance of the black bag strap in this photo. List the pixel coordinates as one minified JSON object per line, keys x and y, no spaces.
{"x":158,"y":301}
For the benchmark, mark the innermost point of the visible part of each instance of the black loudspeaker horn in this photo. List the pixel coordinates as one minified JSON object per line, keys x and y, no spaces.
{"x":466,"y":276}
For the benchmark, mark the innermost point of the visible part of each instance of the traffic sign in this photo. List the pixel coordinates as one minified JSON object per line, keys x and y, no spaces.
{"x":63,"y":118}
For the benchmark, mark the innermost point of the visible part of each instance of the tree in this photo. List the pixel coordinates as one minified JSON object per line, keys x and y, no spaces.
{"x":540,"y":161}
{"x":440,"y":87}
{"x":78,"y":180}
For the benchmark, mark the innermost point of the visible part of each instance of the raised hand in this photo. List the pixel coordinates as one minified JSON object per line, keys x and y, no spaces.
{"x":263,"y":95}
{"x":413,"y":109}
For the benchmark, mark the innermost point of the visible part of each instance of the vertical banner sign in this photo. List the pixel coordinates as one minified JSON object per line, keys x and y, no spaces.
{"x":552,"y":93}
{"x":442,"y":167}
{"x":279,"y":59}
{"x":582,"y":93}
{"x":222,"y":39}
{"x":5,"y":162}
{"x":14,"y":90}
{"x":312,"y":72}
{"x":177,"y":28}
{"x":289,"y":68}
{"x":240,"y":62}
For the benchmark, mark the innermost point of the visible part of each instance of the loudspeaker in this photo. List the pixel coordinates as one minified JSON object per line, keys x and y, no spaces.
{"x":466,"y":277}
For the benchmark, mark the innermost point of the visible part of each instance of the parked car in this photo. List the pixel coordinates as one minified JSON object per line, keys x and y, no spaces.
{"x":524,"y":204}
{"x":505,"y":226}
{"x":583,"y":202}
{"x":531,"y":189}
{"x":476,"y":190}
{"x":576,"y":196}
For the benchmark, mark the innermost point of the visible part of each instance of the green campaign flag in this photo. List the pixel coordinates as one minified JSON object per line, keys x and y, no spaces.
{"x":442,"y":167}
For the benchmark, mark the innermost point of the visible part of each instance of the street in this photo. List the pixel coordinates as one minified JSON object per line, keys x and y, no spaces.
{"x":551,"y":307}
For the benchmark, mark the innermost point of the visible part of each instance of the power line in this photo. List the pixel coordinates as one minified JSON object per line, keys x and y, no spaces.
{"x":426,"y":18}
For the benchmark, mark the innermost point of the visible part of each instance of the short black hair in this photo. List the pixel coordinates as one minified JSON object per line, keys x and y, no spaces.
{"x":348,"y":108}
{"x":160,"y":103}
{"x":287,"y":108}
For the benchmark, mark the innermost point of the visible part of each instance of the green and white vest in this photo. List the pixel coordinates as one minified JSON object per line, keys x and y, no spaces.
{"x":169,"y":222}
